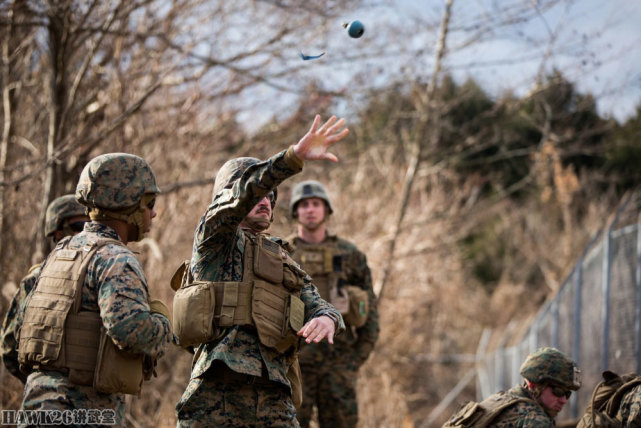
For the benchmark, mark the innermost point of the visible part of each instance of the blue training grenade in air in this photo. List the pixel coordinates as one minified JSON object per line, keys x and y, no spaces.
{"x":355,"y":29}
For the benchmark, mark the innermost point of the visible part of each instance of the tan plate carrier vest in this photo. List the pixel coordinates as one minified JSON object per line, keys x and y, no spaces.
{"x":267,"y":298}
{"x":56,"y":335}
{"x":325,"y":264}
{"x":482,"y":415}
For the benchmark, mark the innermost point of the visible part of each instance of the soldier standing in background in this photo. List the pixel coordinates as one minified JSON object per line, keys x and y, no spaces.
{"x":89,"y":327}
{"x":549,"y":376}
{"x":343,"y":278}
{"x":64,"y":217}
{"x":245,"y":370}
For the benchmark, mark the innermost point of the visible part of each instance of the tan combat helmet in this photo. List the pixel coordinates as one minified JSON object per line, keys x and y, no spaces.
{"x":308,"y":189}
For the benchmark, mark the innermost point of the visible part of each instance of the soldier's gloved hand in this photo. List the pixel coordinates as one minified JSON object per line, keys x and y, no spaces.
{"x":158,"y":307}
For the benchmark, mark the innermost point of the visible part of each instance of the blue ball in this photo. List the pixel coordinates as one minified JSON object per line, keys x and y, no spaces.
{"x":355,"y":29}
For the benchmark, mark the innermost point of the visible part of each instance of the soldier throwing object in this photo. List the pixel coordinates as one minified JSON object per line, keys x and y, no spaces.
{"x":244,"y":302}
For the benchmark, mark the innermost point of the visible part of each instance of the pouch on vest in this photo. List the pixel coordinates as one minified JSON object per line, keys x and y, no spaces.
{"x":117,"y":370}
{"x":295,"y":380}
{"x":293,"y":275}
{"x":277,"y":314}
{"x":194,"y":313}
{"x":81,"y":344}
{"x":352,"y":302}
{"x":268,"y":261}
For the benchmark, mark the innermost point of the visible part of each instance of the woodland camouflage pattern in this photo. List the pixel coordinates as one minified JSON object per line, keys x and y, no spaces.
{"x":218,"y":256}
{"x":524,"y":413}
{"x":60,"y":209}
{"x":123,"y":179}
{"x":549,"y":365}
{"x":114,"y":286}
{"x":630,"y":408}
{"x":330,"y":371}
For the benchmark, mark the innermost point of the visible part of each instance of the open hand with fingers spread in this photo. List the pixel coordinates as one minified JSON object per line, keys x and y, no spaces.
{"x":314,"y":144}
{"x":318,"y":329}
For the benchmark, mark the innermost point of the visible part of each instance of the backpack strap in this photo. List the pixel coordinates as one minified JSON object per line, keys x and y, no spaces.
{"x":612,"y":406}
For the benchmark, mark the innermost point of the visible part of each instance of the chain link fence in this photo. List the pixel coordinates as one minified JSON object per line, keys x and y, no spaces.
{"x":595,"y":317}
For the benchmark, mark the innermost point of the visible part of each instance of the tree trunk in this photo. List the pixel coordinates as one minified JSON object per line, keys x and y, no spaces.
{"x":58,"y":32}
{"x":428,"y":112}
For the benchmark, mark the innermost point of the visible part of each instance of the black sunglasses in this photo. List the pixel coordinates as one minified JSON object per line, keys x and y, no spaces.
{"x":77,"y":226}
{"x":560,"y":392}
{"x":151,"y":204}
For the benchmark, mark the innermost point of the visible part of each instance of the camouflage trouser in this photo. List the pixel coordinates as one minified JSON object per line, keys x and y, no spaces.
{"x":59,"y":402}
{"x":333,"y":390}
{"x":206,"y":403}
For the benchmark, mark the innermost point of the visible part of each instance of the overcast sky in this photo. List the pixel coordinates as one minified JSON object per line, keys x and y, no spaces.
{"x":595,"y":43}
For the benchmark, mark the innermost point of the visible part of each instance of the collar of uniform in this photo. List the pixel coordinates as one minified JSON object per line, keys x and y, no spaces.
{"x":101,"y":229}
{"x":328,"y":237}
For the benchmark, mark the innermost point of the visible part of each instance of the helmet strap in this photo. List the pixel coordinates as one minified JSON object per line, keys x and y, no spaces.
{"x":129,"y":216}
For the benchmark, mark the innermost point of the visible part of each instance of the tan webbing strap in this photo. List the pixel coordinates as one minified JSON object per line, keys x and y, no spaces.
{"x":233,"y":303}
{"x":248,"y":259}
{"x":91,"y":249}
{"x":328,"y":259}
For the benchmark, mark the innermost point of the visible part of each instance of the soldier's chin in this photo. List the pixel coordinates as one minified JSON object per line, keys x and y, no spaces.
{"x":258,"y":223}
{"x":553,"y":413}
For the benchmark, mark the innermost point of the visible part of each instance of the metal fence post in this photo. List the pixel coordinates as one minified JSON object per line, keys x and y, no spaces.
{"x":607,"y":266}
{"x":637,"y":318}
{"x":576,"y":339}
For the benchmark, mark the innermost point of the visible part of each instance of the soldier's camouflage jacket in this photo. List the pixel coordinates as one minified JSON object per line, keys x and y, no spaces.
{"x":355,"y":345}
{"x":523,"y":414}
{"x":13,"y":321}
{"x":218,"y":256}
{"x":115,"y":286}
{"x":629,"y":412}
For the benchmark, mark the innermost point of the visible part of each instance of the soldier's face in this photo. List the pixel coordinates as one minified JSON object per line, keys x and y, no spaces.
{"x":259,"y":217}
{"x":553,"y":403}
{"x":311,"y":212}
{"x":149,"y":214}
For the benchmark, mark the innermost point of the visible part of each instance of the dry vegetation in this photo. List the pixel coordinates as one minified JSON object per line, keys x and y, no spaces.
{"x":145,"y":90}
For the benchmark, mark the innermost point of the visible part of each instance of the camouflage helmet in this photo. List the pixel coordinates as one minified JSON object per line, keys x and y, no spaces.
{"x":231,"y":171}
{"x":308,"y":189}
{"x":115,"y":181}
{"x":549,"y":365}
{"x":59,"y":210}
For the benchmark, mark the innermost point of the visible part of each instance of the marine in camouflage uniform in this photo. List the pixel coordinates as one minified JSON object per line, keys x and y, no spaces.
{"x":64,"y":217}
{"x":119,"y":191}
{"x":236,"y":380}
{"x":329,"y":372}
{"x":550,"y":376}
